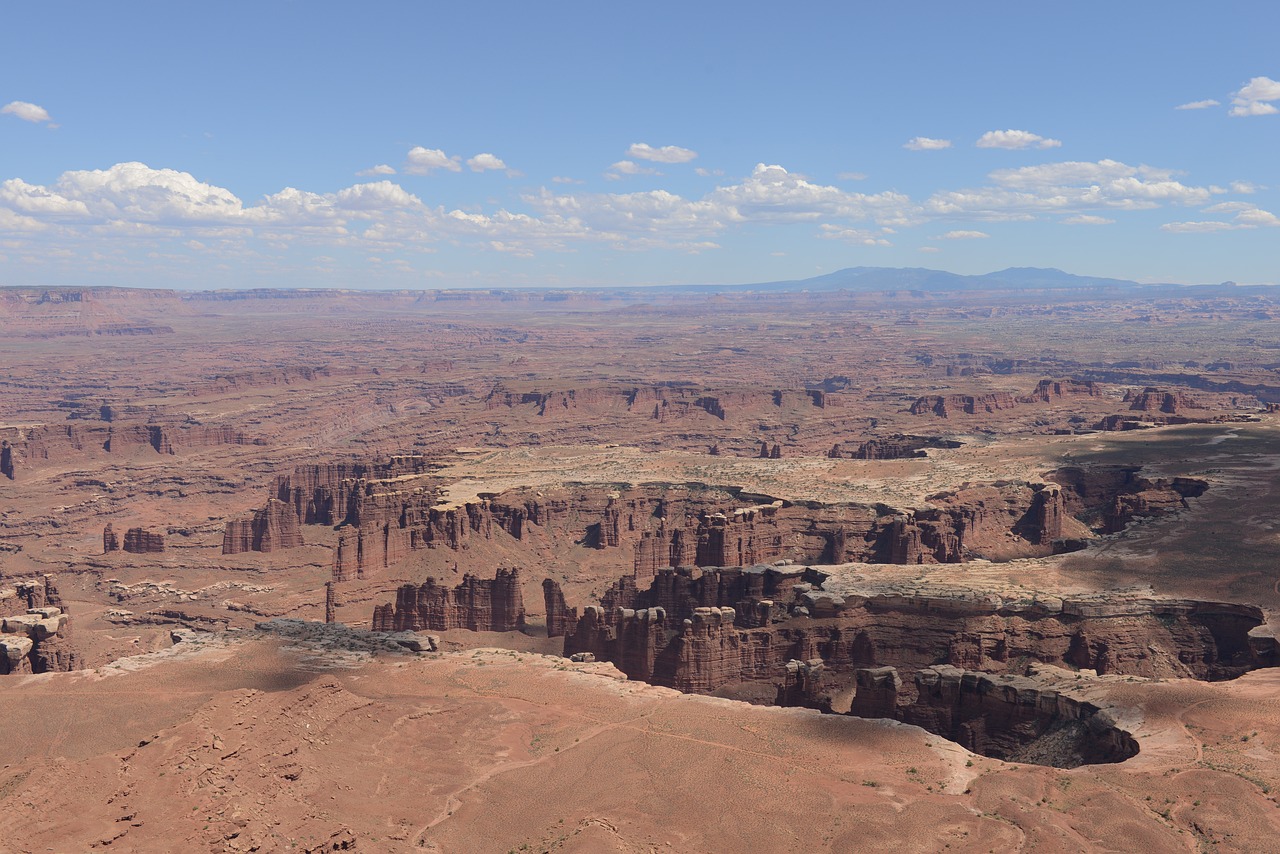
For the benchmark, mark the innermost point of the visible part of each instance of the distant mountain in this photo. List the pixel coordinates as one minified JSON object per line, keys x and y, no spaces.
{"x":922,"y":279}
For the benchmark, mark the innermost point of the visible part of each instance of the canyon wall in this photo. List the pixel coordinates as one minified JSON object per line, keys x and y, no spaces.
{"x":481,"y":605}
{"x":273,"y":528}
{"x":718,"y":645}
{"x":35,"y":637}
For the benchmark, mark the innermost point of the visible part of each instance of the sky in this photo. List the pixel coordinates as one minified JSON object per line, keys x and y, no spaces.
{"x":575,"y":144}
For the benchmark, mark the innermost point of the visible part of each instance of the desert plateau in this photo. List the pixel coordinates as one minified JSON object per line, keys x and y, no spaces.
{"x":678,"y":428}
{"x":379,"y":567}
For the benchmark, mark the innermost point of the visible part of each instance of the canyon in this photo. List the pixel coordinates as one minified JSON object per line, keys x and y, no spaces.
{"x":928,"y":554}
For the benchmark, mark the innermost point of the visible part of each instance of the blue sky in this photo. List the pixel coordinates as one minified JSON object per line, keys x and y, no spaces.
{"x":415,"y":145}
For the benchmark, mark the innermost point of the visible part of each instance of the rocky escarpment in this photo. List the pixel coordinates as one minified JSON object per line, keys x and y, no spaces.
{"x":273,"y":528}
{"x":35,"y":637}
{"x":657,"y":525}
{"x":1046,"y":391}
{"x":481,"y":605}
{"x":1014,"y":718}
{"x":326,"y":494}
{"x":897,"y":446}
{"x":6,"y":460}
{"x":662,"y":402}
{"x":730,"y":640}
{"x":54,"y":443}
{"x":560,"y":618}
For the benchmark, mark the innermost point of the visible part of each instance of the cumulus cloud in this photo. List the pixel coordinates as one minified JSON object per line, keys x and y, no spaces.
{"x":1198,"y":105}
{"x":1254,"y":98}
{"x":374,"y":171}
{"x":963,"y":235}
{"x":924,"y":143}
{"x":1087,"y":219}
{"x":485,"y":162}
{"x":28,"y":112}
{"x":628,"y":167}
{"x":564,"y":179}
{"x":1015,"y":139}
{"x":857,"y":236}
{"x":665,"y":154}
{"x":424,"y":161}
{"x":1246,"y":216}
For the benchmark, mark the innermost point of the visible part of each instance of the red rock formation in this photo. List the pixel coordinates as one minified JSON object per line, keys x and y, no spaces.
{"x":1046,"y":391}
{"x":110,"y":542}
{"x":495,"y":605}
{"x":712,"y":649}
{"x":6,"y":460}
{"x":560,"y":618}
{"x":142,"y":541}
{"x":876,"y":692}
{"x":1014,"y":718}
{"x":895,"y":447}
{"x":37,"y":638}
{"x":273,"y":528}
{"x":945,"y":406}
{"x":361,"y":551}
{"x":330,"y":602}
{"x":1170,"y":402}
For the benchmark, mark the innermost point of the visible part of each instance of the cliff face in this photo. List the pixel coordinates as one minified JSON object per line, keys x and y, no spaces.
{"x":1169,"y":402}
{"x":1007,"y":717}
{"x":1046,"y":391}
{"x":389,"y":509}
{"x":35,"y":639}
{"x":57,"y":442}
{"x":717,"y":645}
{"x":480,"y":605}
{"x":141,"y":541}
{"x":273,"y":528}
{"x":6,"y":460}
{"x":561,"y":619}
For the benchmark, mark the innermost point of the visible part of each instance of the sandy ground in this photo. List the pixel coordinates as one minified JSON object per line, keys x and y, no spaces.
{"x":241,"y":746}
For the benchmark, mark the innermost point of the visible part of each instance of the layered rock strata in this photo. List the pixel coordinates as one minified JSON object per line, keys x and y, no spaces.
{"x":141,"y":541}
{"x":481,"y":605}
{"x":37,"y":639}
{"x":560,"y":618}
{"x":718,"y":645}
{"x":273,"y":528}
{"x":386,"y":511}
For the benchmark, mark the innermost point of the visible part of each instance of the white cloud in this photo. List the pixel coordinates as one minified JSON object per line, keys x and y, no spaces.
{"x":1087,"y":219}
{"x":924,"y":143}
{"x":665,"y":154}
{"x":628,"y":167}
{"x":563,"y":179}
{"x":374,"y":171}
{"x":26,"y":111}
{"x":1255,"y":97}
{"x":485,"y":162}
{"x":852,"y":235}
{"x":963,"y":235}
{"x":1015,"y":139}
{"x":424,"y":161}
{"x":1247,"y":216}
{"x":707,"y":173}
{"x":1245,"y":187}
{"x":1198,"y":105}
